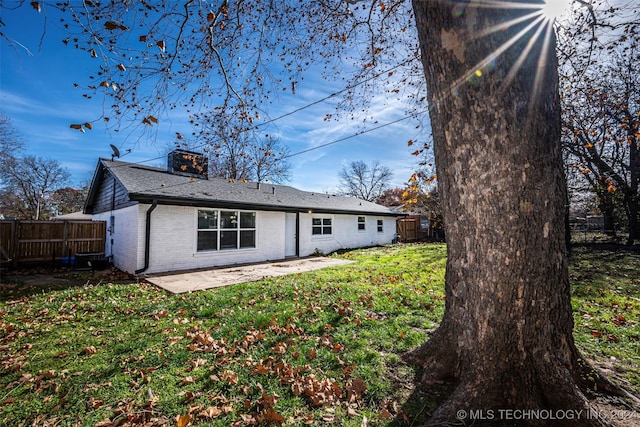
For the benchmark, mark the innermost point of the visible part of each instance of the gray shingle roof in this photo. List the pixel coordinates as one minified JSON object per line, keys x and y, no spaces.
{"x":146,"y":183}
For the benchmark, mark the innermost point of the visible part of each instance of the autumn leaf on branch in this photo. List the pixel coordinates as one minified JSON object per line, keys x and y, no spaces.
{"x":150,"y":120}
{"x":110,"y":25}
{"x":81,"y":127}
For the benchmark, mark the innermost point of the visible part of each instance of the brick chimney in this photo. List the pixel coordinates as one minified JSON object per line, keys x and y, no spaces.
{"x":188,"y":163}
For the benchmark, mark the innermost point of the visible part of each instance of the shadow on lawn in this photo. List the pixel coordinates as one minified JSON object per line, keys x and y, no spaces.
{"x":598,"y":269}
{"x":38,"y":279}
{"x":595,"y":271}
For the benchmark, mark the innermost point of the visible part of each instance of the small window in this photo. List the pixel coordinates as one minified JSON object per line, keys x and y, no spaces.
{"x":207,"y":230}
{"x":228,"y":219}
{"x":247,"y":220}
{"x":362,"y":222}
{"x":228,"y":239}
{"x":380,"y":226}
{"x":321,"y":226}
{"x":247,"y":238}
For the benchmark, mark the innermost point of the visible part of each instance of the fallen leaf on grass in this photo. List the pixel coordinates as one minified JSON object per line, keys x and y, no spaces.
{"x":230,"y":377}
{"x":355,"y":389}
{"x":268,"y":401}
{"x":270,"y":416}
{"x":280,"y":348}
{"x":187,"y":380}
{"x":189,"y":397}
{"x":211,"y":412}
{"x":348,"y":370}
{"x":198,"y":362}
{"x":183,"y":420}
{"x":96,"y":403}
{"x":384,"y":414}
{"x":329,"y":418}
{"x":619,"y":320}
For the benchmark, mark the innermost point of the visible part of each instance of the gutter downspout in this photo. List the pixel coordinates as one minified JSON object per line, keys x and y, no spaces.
{"x":147,"y":238}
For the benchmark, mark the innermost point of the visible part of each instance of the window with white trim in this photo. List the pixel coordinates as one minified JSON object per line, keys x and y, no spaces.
{"x":380,"y":226}
{"x":223,"y":230}
{"x":362,"y":223}
{"x":321,"y":226}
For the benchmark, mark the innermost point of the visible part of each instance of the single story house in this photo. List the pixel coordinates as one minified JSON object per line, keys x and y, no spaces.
{"x":178,"y":218}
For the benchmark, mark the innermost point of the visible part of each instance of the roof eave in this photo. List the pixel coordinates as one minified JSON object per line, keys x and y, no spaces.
{"x":214,"y":203}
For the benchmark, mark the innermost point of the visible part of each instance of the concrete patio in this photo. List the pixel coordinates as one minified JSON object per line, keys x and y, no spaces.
{"x":207,"y":279}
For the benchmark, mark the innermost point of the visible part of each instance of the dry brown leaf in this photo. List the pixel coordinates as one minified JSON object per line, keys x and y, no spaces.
{"x":384,"y":414}
{"x":271,"y":416}
{"x":97,"y":403}
{"x":230,"y":377}
{"x":187,"y":380}
{"x":211,"y":412}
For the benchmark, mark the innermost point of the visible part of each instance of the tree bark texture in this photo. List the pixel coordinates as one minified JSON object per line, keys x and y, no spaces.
{"x":506,"y":337}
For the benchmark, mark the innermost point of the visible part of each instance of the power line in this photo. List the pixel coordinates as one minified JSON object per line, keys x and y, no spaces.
{"x":334,"y":94}
{"x":319,"y":101}
{"x":354,"y":135}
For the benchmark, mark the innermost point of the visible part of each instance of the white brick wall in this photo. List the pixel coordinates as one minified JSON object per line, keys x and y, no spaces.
{"x":123,"y":236}
{"x":174,"y":238}
{"x":174,"y":241}
{"x":345,"y":233}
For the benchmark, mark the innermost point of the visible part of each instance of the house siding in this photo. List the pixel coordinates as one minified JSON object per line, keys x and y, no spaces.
{"x":125,"y":234}
{"x":345,"y":233}
{"x":174,"y":236}
{"x":111,"y":195}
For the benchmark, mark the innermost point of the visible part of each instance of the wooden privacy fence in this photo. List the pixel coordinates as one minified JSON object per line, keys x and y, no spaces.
{"x":36,"y":241}
{"x":407,"y":229}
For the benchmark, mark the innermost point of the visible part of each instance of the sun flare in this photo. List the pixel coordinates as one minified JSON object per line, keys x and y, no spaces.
{"x":554,"y":10}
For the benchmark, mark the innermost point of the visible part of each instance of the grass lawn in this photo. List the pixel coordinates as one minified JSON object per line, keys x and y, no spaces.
{"x":307,"y":349}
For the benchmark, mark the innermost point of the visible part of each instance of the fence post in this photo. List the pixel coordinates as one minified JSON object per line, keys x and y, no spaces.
{"x":14,"y":242}
{"x":65,"y":233}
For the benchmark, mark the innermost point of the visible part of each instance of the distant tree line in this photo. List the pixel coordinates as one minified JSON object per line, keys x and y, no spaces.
{"x":32,"y":187}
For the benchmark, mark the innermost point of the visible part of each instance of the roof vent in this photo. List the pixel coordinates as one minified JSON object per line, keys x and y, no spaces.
{"x":188,"y":163}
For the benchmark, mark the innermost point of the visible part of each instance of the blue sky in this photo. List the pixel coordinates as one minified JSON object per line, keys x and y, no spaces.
{"x":37,"y":92}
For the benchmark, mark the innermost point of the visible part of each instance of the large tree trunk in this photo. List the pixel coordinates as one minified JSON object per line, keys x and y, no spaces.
{"x":606,"y":205}
{"x":632,"y":199}
{"x":506,"y":337}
